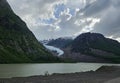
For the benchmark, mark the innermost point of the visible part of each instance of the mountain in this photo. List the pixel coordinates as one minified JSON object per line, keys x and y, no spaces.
{"x":60,"y":42}
{"x":17,"y":42}
{"x":93,"y":47}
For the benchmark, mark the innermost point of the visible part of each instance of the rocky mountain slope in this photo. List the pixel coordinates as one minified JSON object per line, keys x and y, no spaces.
{"x":60,"y":42}
{"x":17,"y":42}
{"x":93,"y":47}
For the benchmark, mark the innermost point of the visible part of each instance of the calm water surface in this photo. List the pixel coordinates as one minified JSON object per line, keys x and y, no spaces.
{"x":22,"y":70}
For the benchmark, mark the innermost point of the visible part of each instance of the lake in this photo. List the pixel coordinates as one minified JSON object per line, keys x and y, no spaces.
{"x":23,"y":70}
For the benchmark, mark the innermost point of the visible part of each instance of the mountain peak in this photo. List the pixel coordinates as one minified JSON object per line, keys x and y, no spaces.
{"x":90,"y":33}
{"x":5,"y":9}
{"x":93,"y":47}
{"x":17,"y":42}
{"x":4,"y":4}
{"x":90,"y":36}
{"x":86,"y":41}
{"x":3,"y":1}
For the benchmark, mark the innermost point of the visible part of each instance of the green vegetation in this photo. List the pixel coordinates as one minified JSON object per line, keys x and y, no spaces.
{"x":103,"y":47}
{"x":108,"y":45}
{"x":17,"y":43}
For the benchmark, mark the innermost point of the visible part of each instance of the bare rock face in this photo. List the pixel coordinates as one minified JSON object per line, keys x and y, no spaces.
{"x":93,"y":47}
{"x":60,"y":42}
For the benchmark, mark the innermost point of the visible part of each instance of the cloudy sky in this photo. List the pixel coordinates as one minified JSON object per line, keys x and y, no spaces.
{"x":62,"y":18}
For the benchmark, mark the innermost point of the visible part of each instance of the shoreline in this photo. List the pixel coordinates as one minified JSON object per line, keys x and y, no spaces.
{"x":61,"y":63}
{"x":101,"y":75}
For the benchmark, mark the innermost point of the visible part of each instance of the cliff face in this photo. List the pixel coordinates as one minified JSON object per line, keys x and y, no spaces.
{"x":17,"y":42}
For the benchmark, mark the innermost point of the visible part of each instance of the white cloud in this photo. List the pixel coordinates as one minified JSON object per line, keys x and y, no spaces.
{"x":74,"y":17}
{"x":87,"y":24}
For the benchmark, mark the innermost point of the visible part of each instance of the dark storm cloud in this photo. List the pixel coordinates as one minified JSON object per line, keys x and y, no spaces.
{"x":109,"y":13}
{"x":96,"y":7}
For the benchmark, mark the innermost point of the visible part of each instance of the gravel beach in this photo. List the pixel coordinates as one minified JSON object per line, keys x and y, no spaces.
{"x":105,"y":74}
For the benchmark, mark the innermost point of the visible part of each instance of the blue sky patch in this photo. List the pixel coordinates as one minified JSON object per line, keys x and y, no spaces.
{"x":72,"y":12}
{"x":47,"y":21}
{"x":58,"y":9}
